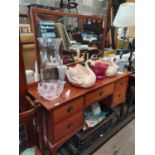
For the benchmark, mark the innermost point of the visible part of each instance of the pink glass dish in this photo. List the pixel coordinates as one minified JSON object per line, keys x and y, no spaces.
{"x":50,"y":89}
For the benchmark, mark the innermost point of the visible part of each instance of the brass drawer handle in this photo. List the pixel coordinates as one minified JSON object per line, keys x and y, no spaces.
{"x":69,"y":109}
{"x":70,"y":125}
{"x":101,"y":93}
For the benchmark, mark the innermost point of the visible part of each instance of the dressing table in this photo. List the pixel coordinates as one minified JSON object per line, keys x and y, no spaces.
{"x":63,"y":117}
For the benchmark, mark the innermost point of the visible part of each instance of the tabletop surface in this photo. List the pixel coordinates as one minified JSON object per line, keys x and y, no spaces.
{"x":75,"y":92}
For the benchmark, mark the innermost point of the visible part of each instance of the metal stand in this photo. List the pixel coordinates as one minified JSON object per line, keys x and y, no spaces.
{"x":124,"y":33}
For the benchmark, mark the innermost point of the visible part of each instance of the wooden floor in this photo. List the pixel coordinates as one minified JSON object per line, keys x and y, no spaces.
{"x":123,"y":143}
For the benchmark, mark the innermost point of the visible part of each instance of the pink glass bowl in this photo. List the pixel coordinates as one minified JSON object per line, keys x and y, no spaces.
{"x":100,"y":70}
{"x":50,"y":89}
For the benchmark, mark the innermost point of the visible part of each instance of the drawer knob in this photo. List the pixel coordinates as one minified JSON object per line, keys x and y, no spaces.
{"x":119,"y":95}
{"x":101,"y":93}
{"x":70,"y":125}
{"x":121,"y":83}
{"x":69,"y":109}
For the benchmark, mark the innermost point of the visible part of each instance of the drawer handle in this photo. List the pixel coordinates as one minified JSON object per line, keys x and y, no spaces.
{"x":69,"y":109}
{"x":70,"y":125}
{"x":121,"y":83}
{"x":119,"y":95}
{"x":101,"y":93}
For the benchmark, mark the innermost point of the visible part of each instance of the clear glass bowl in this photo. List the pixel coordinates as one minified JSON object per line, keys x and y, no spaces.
{"x":50,"y":89}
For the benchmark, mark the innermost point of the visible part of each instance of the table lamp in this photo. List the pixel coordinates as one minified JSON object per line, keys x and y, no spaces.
{"x":125,"y":18}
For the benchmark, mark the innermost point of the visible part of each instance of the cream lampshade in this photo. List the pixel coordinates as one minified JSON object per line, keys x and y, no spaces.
{"x":125,"y":16}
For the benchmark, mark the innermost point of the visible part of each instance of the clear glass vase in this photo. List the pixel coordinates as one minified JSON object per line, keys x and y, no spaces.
{"x":49,"y":87}
{"x":50,"y":55}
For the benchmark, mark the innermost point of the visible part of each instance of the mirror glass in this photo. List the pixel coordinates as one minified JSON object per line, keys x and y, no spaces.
{"x":81,"y":38}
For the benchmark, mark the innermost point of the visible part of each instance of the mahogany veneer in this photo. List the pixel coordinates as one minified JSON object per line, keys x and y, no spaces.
{"x":63,"y":117}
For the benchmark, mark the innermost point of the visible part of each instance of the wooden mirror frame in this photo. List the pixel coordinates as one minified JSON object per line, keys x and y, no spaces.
{"x":37,"y":14}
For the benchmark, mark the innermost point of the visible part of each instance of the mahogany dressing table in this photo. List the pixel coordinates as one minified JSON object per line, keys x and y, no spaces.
{"x":63,"y":117}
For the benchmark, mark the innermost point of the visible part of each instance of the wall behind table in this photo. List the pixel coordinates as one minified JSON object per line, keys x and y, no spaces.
{"x":85,"y":6}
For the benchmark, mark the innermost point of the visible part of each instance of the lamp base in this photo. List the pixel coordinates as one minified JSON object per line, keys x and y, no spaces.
{"x":121,"y":52}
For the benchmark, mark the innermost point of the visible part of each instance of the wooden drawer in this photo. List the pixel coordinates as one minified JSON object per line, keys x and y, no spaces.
{"x":68,"y":126}
{"x":120,"y":91}
{"x":119,"y":97}
{"x":121,"y":84}
{"x":68,"y":110}
{"x":99,"y":94}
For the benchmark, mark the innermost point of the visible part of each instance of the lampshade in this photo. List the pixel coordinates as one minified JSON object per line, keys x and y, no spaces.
{"x":125,"y":16}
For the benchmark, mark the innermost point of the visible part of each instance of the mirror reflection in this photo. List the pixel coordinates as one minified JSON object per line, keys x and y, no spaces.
{"x":81,"y":38}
